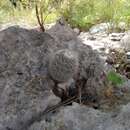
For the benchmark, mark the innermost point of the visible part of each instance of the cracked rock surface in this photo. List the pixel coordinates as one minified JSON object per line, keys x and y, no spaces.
{"x":26,"y":84}
{"x":78,"y":117}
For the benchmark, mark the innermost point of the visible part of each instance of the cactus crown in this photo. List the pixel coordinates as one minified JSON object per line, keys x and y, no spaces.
{"x":63,"y":65}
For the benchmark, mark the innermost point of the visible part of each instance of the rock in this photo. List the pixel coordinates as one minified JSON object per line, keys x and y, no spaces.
{"x":78,"y":117}
{"x":4,"y":60}
{"x":85,"y":53}
{"x":92,"y":38}
{"x":123,"y":118}
{"x":128,"y":57}
{"x":125,"y":86}
{"x":107,"y":27}
{"x":63,"y":34}
{"x":76,"y":30}
{"x":88,"y":59}
{"x":110,"y":60}
{"x":26,"y":83}
{"x":21,"y":24}
{"x":26,"y":117}
{"x":75,"y":118}
{"x":116,"y":36}
{"x":122,"y":26}
{"x":100,"y":28}
{"x":125,"y":42}
{"x":66,"y":89}
{"x":48,"y":26}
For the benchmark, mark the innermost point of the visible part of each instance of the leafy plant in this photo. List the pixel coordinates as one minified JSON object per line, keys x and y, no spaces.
{"x":115,"y":78}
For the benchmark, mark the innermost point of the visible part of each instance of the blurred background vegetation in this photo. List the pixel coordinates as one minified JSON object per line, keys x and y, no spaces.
{"x":79,"y":13}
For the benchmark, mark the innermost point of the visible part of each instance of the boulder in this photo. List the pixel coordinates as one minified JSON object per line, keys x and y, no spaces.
{"x":78,"y":117}
{"x":25,"y":87}
{"x":101,"y":28}
{"x":122,"y":26}
{"x":26,"y":82}
{"x":125,"y":42}
{"x":77,"y":31}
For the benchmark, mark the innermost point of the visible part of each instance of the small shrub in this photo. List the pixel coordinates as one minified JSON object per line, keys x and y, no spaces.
{"x":115,"y":78}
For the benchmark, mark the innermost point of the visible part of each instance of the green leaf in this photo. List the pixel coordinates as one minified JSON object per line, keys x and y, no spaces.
{"x":115,"y":78}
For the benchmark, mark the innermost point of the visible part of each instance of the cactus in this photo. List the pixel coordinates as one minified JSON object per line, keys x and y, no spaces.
{"x":63,"y":65}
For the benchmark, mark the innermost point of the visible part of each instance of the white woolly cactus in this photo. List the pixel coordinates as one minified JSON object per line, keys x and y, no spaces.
{"x":63,"y":65}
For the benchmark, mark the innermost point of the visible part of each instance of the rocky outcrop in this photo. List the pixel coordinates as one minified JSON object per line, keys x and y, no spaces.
{"x":90,"y":65}
{"x":26,"y":83}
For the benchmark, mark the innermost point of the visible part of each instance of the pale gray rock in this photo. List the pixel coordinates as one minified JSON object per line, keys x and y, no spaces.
{"x":125,"y":42}
{"x":26,"y":85}
{"x":76,"y":30}
{"x":87,"y":57}
{"x":25,"y":82}
{"x":116,"y":36}
{"x":78,"y":117}
{"x":122,"y":26}
{"x":101,"y":28}
{"x":126,"y":85}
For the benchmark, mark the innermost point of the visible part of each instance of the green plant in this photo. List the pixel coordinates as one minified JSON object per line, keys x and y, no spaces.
{"x":79,"y":13}
{"x":115,"y":78}
{"x":26,"y":11}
